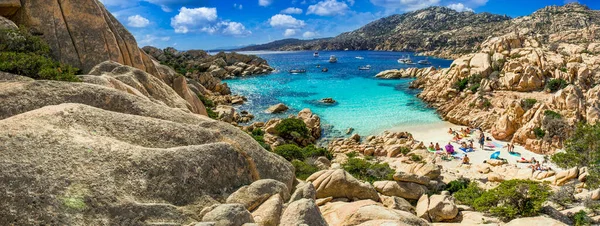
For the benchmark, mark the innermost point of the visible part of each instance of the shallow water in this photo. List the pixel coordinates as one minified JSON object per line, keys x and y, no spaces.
{"x":367,"y":104}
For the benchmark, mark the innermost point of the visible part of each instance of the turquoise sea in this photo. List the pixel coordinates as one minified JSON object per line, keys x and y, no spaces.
{"x":365,"y":103}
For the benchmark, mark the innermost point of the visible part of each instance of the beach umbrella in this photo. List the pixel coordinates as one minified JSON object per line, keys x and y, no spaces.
{"x":495,"y":155}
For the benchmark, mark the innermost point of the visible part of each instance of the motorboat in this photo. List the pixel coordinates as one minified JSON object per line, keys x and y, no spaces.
{"x":332,"y":59}
{"x":324,"y":70}
{"x":365,"y":68}
{"x":316,"y":54}
{"x":406,"y":60}
{"x":297,"y":71}
{"x":424,"y":62}
{"x":360,"y":58}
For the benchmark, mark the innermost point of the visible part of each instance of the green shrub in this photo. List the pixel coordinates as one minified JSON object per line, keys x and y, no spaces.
{"x":555,"y":127}
{"x":468,"y":195}
{"x":580,"y":150}
{"x":564,"y":69}
{"x":404,"y":150}
{"x":528,"y":103}
{"x":303,"y":169}
{"x":513,"y":198}
{"x":556,"y":84}
{"x":539,"y":132}
{"x":208,"y":103}
{"x":371,"y":172}
{"x":258,"y":132}
{"x":552,"y":114}
{"x":515,"y":56}
{"x":461,"y":84}
{"x":352,"y":154}
{"x":581,"y":219}
{"x":457,"y":185}
{"x":289,"y":152}
{"x":312,"y":151}
{"x":258,"y":135}
{"x":291,"y":128}
{"x":564,"y":196}
{"x":486,"y":103}
{"x":36,"y":67}
{"x":474,"y":88}
{"x":21,"y":41}
{"x":416,"y":158}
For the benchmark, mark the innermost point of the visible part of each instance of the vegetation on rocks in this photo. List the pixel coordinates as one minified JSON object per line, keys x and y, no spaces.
{"x":303,"y":169}
{"x":472,"y":82}
{"x":367,"y":171}
{"x":581,"y":219}
{"x":209,"y":105}
{"x":24,"y":54}
{"x":528,"y":103}
{"x":291,"y":128}
{"x":457,"y":185}
{"x":556,"y":84}
{"x":468,"y":194}
{"x":258,"y":136}
{"x":303,"y":159}
{"x":582,"y":150}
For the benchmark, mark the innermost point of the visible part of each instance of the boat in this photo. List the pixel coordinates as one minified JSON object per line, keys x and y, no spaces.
{"x":297,"y":71}
{"x":424,"y":62}
{"x":360,"y":58}
{"x":365,"y":68}
{"x":405,"y":60}
{"x":324,"y":70}
{"x":316,"y":54}
{"x":332,"y":59}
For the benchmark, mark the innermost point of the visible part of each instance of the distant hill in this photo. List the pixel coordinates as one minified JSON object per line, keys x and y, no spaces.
{"x":284,"y":44}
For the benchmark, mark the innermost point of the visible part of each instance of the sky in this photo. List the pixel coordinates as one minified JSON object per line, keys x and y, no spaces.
{"x":212,"y":24}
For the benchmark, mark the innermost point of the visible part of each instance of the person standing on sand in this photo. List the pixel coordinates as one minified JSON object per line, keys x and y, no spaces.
{"x":481,"y":140}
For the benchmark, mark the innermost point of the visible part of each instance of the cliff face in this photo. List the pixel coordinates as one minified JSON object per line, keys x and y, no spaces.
{"x":82,"y":33}
{"x":516,"y":83}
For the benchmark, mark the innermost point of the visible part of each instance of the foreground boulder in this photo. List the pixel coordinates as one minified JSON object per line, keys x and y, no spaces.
{"x":70,"y":159}
{"x":340,"y":184}
{"x":437,"y":208}
{"x":535,"y":221}
{"x":303,"y":211}
{"x":227,"y":215}
{"x":367,"y":212}
{"x":268,"y":213}
{"x":251,"y":196}
{"x":405,"y":190}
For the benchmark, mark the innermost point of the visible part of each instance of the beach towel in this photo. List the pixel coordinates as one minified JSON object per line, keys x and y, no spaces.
{"x":495,"y":155}
{"x":498,"y":144}
{"x":516,"y":154}
{"x":458,"y":155}
{"x":490,"y":145}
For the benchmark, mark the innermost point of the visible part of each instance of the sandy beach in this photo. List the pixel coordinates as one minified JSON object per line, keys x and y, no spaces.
{"x":438,"y":133}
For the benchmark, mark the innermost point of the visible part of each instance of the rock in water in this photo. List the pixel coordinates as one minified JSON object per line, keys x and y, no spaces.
{"x":278,"y":108}
{"x":328,"y":100}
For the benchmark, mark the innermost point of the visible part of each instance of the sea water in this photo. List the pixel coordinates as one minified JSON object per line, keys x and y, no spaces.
{"x":363,"y":102}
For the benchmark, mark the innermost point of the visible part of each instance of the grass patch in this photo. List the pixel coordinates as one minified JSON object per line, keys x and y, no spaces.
{"x":74,"y":203}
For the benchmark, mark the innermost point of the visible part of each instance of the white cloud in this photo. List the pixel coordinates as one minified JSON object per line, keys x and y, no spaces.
{"x":265,"y":2}
{"x":238,"y":6}
{"x":227,"y":28}
{"x":289,"y":32}
{"x":286,"y":21}
{"x":292,"y":10}
{"x":460,"y":7}
{"x":351,"y":2}
{"x":189,"y":19}
{"x":151,"y":39}
{"x":328,"y":8}
{"x":407,"y":5}
{"x":137,"y":21}
{"x":309,"y":34}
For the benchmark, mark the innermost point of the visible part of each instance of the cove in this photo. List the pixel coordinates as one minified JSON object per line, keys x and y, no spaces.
{"x":367,"y":104}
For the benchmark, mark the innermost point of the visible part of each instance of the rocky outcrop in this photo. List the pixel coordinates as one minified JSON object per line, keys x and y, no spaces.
{"x":340,"y":184}
{"x":9,"y":7}
{"x":278,"y":108}
{"x":81,"y":33}
{"x":387,"y":144}
{"x":535,"y":221}
{"x":303,"y":212}
{"x":406,"y":73}
{"x":437,"y":208}
{"x":81,"y":155}
{"x":227,"y":214}
{"x":367,"y":212}
{"x":405,"y":190}
{"x":251,"y":196}
{"x":269,"y":212}
{"x":6,"y":24}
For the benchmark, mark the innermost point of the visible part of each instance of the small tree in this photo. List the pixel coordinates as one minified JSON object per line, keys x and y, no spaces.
{"x":513,"y":198}
{"x":291,"y":128}
{"x":582,"y":149}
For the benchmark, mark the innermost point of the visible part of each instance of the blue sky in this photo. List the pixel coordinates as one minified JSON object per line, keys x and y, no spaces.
{"x":209,"y":24}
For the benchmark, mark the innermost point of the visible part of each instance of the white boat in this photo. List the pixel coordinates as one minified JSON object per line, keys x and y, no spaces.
{"x":365,"y":68}
{"x":424,"y":62}
{"x":316,"y":54}
{"x":332,"y":59}
{"x":360,"y":58}
{"x":297,"y":71}
{"x":406,"y":60}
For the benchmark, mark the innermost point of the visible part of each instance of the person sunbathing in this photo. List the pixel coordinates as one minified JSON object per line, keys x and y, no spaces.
{"x":523,"y":160}
{"x":437,"y":147}
{"x":468,"y":130}
{"x":471,"y":146}
{"x":431,"y":147}
{"x":466,"y":160}
{"x":450,"y":131}
{"x":449,"y":149}
{"x":456,"y":137}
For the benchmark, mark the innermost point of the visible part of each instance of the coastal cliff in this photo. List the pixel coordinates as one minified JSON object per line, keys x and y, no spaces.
{"x":531,"y":85}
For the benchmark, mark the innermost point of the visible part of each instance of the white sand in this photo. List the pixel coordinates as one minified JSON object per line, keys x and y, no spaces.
{"x":438,"y":133}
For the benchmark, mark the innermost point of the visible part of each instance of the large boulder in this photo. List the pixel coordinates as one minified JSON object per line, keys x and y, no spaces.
{"x":367,"y":212}
{"x":6,"y":24}
{"x":82,"y":33}
{"x":340,"y":184}
{"x":564,"y":176}
{"x":437,"y":208}
{"x":430,"y":170}
{"x":405,"y":177}
{"x":251,"y":196}
{"x":303,"y":211}
{"x":227,"y":215}
{"x":394,"y":202}
{"x":405,"y":190}
{"x":268,"y":213}
{"x":69,"y":158}
{"x":278,"y":108}
{"x":535,"y":221}
{"x":304,"y":190}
